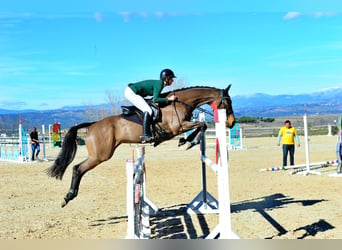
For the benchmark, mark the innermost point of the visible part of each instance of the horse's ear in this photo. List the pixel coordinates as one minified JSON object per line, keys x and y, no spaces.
{"x":227,"y":89}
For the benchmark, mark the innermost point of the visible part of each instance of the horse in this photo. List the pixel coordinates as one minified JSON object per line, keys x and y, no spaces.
{"x":105,"y":135}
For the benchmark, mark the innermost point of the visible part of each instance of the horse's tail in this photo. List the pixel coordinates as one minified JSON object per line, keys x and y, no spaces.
{"x":67,"y":153}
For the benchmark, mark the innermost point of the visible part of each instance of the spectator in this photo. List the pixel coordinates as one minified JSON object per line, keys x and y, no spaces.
{"x":35,"y":143}
{"x":289,"y":136}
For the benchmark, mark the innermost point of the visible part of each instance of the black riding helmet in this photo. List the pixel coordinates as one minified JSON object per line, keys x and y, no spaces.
{"x":166,"y":73}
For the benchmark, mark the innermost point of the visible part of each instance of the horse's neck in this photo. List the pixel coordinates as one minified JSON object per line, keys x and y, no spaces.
{"x":198,"y":97}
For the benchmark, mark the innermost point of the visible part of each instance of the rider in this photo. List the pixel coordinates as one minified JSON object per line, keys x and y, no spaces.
{"x":135,"y":93}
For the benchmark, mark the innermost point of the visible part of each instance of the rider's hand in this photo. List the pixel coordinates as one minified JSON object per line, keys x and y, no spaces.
{"x":172,"y":98}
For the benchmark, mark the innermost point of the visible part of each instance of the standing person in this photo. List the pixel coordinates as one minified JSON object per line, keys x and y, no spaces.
{"x":35,"y":143}
{"x":289,"y":136}
{"x":135,"y":93}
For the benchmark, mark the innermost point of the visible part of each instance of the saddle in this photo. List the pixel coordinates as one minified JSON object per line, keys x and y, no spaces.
{"x":131,"y":113}
{"x":134,"y":114}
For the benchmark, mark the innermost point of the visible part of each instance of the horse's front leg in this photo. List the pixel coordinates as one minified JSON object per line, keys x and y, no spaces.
{"x":194,"y":138}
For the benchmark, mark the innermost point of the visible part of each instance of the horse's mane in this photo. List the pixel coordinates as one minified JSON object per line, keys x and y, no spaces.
{"x":164,"y":94}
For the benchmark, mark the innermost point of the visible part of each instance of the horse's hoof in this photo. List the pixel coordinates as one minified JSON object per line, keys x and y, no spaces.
{"x":63,"y":204}
{"x":190,"y":145}
{"x":181,"y":142}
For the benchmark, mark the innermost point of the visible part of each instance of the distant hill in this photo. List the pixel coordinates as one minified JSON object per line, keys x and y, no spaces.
{"x":328,"y":101}
{"x":66,"y":116}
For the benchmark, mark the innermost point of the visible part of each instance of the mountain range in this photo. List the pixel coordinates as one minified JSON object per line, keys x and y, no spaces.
{"x":327,"y":101}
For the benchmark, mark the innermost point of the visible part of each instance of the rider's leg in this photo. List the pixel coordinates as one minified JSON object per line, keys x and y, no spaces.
{"x":139,"y":102}
{"x":146,"y":136}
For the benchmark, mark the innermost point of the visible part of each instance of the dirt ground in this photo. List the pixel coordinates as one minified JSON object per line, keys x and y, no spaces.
{"x":264,"y":205}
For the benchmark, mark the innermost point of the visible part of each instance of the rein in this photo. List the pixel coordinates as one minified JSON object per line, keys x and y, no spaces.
{"x":204,"y":110}
{"x":199,"y":108}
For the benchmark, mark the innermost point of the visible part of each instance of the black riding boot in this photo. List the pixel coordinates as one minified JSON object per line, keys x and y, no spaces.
{"x":147,"y":136}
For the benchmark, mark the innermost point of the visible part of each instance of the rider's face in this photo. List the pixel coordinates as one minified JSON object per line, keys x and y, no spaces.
{"x":168,"y":81}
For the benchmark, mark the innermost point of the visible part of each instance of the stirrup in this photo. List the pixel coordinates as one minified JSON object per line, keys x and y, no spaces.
{"x":146,"y":139}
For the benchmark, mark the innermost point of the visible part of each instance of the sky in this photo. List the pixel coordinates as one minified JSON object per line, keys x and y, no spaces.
{"x":71,"y":53}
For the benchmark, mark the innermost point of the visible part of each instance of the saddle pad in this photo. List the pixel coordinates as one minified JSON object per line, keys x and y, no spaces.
{"x":133,"y":118}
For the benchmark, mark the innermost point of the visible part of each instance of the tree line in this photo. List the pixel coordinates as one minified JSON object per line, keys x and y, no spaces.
{"x":249,"y":119}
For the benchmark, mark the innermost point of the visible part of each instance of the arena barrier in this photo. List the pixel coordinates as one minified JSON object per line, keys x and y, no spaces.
{"x":233,"y":136}
{"x":15,"y":149}
{"x":139,"y":207}
{"x":204,"y":202}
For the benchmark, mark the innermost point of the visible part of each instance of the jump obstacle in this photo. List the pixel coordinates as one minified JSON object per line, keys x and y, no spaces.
{"x":139,"y":207}
{"x":204,"y":202}
{"x":297,"y":166}
{"x":15,"y":149}
{"x":306,"y":168}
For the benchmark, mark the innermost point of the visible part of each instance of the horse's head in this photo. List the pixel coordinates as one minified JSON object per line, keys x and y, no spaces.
{"x":226,"y":103}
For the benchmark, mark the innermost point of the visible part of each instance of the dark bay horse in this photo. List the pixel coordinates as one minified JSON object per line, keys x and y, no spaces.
{"x":105,"y":135}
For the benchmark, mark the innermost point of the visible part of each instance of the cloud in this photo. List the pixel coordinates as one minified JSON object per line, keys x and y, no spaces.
{"x":322,"y":14}
{"x":44,"y":104}
{"x":127,"y":16}
{"x":98,"y":17}
{"x":13,"y":104}
{"x":292,"y":15}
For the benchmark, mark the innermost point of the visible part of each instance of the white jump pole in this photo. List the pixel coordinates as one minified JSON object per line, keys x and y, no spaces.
{"x":21,"y":156}
{"x":136,"y":171}
{"x":278,"y":168}
{"x":50,"y":142}
{"x":202,"y":206}
{"x":130,"y":200}
{"x":307,"y":151}
{"x":225,"y":224}
{"x":44,"y":151}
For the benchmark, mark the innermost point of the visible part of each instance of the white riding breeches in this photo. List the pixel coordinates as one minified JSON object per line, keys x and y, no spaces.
{"x":137,"y":100}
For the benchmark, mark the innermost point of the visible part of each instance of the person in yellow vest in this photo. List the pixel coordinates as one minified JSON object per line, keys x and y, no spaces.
{"x":289,"y":137}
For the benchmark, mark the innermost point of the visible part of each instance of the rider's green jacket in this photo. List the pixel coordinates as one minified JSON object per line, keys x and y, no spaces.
{"x":149,"y":88}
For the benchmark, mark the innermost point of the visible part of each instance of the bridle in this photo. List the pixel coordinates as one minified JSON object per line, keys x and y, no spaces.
{"x":223,"y":97}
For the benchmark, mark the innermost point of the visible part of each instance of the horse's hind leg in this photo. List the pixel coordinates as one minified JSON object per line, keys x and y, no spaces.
{"x":78,"y":171}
